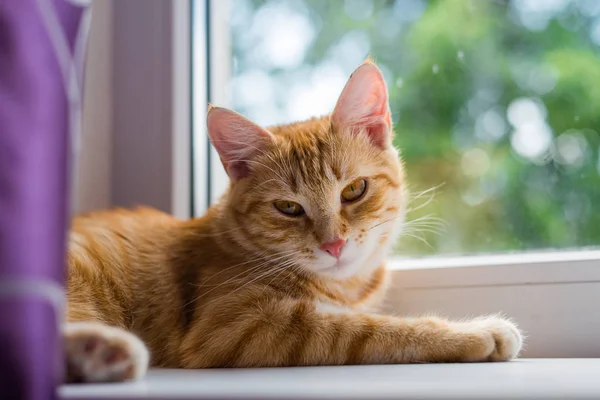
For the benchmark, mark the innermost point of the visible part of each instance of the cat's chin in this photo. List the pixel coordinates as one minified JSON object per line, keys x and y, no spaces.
{"x":342,"y":269}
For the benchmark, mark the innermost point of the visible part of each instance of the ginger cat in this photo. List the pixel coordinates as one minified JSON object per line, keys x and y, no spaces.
{"x":286,"y":269}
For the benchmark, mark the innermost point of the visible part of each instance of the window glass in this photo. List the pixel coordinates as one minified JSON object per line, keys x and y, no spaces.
{"x":496,"y":106}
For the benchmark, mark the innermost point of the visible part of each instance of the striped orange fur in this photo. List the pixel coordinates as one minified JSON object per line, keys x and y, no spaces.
{"x":247,"y":285}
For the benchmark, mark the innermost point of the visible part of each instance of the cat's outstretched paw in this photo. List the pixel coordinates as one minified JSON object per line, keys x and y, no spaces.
{"x":495,"y":339}
{"x":99,"y":353}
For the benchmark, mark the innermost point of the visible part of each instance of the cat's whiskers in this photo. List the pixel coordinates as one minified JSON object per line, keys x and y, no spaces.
{"x":279,"y":267}
{"x":295,"y":269}
{"x":418,"y":229}
{"x":261,"y":257}
{"x":262,"y":261}
{"x":384,"y":222}
{"x":283,"y":268}
{"x":253,"y":269}
{"x":428,"y":217}
{"x":419,"y":238}
{"x":417,"y":195}
{"x":425,"y":224}
{"x":422,"y":230}
{"x":431,"y":223}
{"x":265,"y":274}
{"x":440,"y":225}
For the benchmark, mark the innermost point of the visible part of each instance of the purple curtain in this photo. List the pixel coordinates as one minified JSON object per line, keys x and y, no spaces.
{"x":34,"y":132}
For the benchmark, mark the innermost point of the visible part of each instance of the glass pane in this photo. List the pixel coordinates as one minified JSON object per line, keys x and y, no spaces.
{"x":496,"y":106}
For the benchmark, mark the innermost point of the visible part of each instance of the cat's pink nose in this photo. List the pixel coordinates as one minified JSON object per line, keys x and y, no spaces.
{"x":334,"y":247}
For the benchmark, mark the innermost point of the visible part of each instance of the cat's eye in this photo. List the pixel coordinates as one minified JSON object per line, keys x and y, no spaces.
{"x":354,"y":191}
{"x":289,"y":208}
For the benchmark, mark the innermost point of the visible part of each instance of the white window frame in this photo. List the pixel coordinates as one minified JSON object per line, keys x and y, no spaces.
{"x":554,"y":296}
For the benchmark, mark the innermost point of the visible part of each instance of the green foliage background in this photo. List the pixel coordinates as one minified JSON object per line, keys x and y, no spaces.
{"x":445,"y":68}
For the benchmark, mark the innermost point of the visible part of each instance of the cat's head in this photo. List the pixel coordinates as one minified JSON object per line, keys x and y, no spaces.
{"x":325,"y":194}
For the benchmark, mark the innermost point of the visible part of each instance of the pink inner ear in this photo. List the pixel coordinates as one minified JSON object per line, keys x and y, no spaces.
{"x":363,"y":105}
{"x":237,"y":140}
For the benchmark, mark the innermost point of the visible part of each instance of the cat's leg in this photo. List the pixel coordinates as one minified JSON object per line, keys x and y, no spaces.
{"x":96,"y":352}
{"x":287,"y":333}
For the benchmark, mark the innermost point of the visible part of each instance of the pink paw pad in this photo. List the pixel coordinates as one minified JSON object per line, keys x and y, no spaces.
{"x":99,"y":353}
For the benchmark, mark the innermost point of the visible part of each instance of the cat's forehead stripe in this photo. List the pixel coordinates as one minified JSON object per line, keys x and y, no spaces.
{"x":309,"y":149}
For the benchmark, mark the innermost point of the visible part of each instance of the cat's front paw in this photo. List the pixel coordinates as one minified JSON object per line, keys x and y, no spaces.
{"x":100,"y":353}
{"x":492,"y":339}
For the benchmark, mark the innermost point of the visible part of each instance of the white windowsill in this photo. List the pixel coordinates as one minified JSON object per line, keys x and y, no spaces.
{"x":517,"y":258}
{"x":526,"y":379}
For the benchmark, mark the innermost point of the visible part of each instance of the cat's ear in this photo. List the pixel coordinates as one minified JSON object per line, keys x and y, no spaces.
{"x":363,"y":105}
{"x":237,"y":140}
